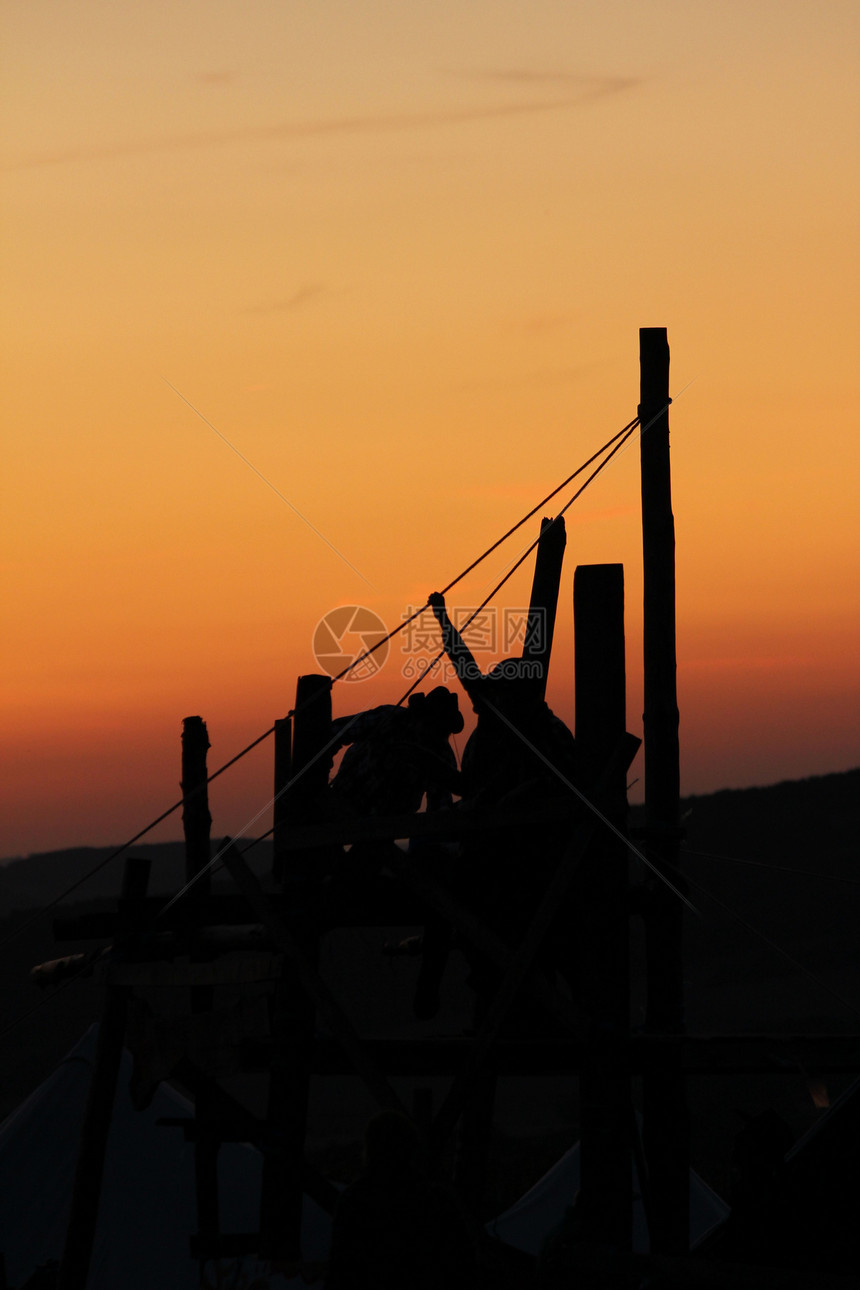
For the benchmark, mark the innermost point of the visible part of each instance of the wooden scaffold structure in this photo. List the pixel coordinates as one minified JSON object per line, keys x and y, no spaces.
{"x":268,"y":940}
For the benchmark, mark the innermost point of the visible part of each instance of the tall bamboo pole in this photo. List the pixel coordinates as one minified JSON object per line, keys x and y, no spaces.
{"x":196,"y":820}
{"x":280,"y":809}
{"x":602,"y":899}
{"x":292,"y":1011}
{"x":666,"y":1125}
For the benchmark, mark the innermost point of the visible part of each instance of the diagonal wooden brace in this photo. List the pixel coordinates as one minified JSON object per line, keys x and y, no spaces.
{"x":519,"y":965}
{"x":486,"y":941}
{"x":312,"y":983}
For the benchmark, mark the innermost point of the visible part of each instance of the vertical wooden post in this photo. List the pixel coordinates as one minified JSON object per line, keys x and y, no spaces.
{"x":86,"y":1190}
{"x":206,"y":1190}
{"x":311,"y":763}
{"x":196,"y":825}
{"x":602,"y":917}
{"x":475,"y":1133}
{"x":196,"y":820}
{"x":422,"y":1110}
{"x":311,"y":732}
{"x":665,"y":1127}
{"x":280,"y":810}
{"x":549,"y":558}
{"x":292,"y":1018}
{"x":292,"y":1013}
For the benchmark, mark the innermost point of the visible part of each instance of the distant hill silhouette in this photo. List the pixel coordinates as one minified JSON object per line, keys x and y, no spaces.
{"x":807,"y":823}
{"x":30,"y":881}
{"x":811,"y":826}
{"x":811,"y":821}
{"x":735,"y":981}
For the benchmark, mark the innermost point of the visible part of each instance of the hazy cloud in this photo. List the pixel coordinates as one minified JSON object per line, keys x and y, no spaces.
{"x":580,"y":519}
{"x":217,"y":77}
{"x":309,"y":291}
{"x":521,"y":492}
{"x":588,"y":89}
{"x":589,"y":86}
{"x":744,"y":662}
{"x":547,"y":322}
{"x":544,"y":376}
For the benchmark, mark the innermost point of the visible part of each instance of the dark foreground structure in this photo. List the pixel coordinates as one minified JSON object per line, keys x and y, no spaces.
{"x":530,"y":875}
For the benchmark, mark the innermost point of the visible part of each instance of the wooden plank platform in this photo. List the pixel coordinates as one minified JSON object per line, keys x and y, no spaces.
{"x":701,"y":1055}
{"x":386,"y":904}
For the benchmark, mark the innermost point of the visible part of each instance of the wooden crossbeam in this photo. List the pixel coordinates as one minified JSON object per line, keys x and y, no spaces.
{"x":588,"y":1265}
{"x":390,"y":906}
{"x":777,"y":1054}
{"x":459,"y":821}
{"x":700,"y":1055}
{"x":242,"y":969}
{"x":312,"y":983}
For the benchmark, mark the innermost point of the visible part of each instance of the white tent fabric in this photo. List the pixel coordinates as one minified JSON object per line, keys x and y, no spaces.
{"x":147,"y":1205}
{"x":528,"y":1222}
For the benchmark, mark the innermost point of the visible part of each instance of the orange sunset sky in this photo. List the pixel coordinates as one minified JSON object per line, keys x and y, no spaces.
{"x":397,"y":252}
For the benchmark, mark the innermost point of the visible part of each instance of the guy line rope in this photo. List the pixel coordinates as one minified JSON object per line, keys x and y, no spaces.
{"x":621,"y":435}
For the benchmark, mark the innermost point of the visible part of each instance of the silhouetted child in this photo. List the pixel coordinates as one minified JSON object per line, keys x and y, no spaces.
{"x":519,"y":744}
{"x":397,"y":754}
{"x":519,"y":757}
